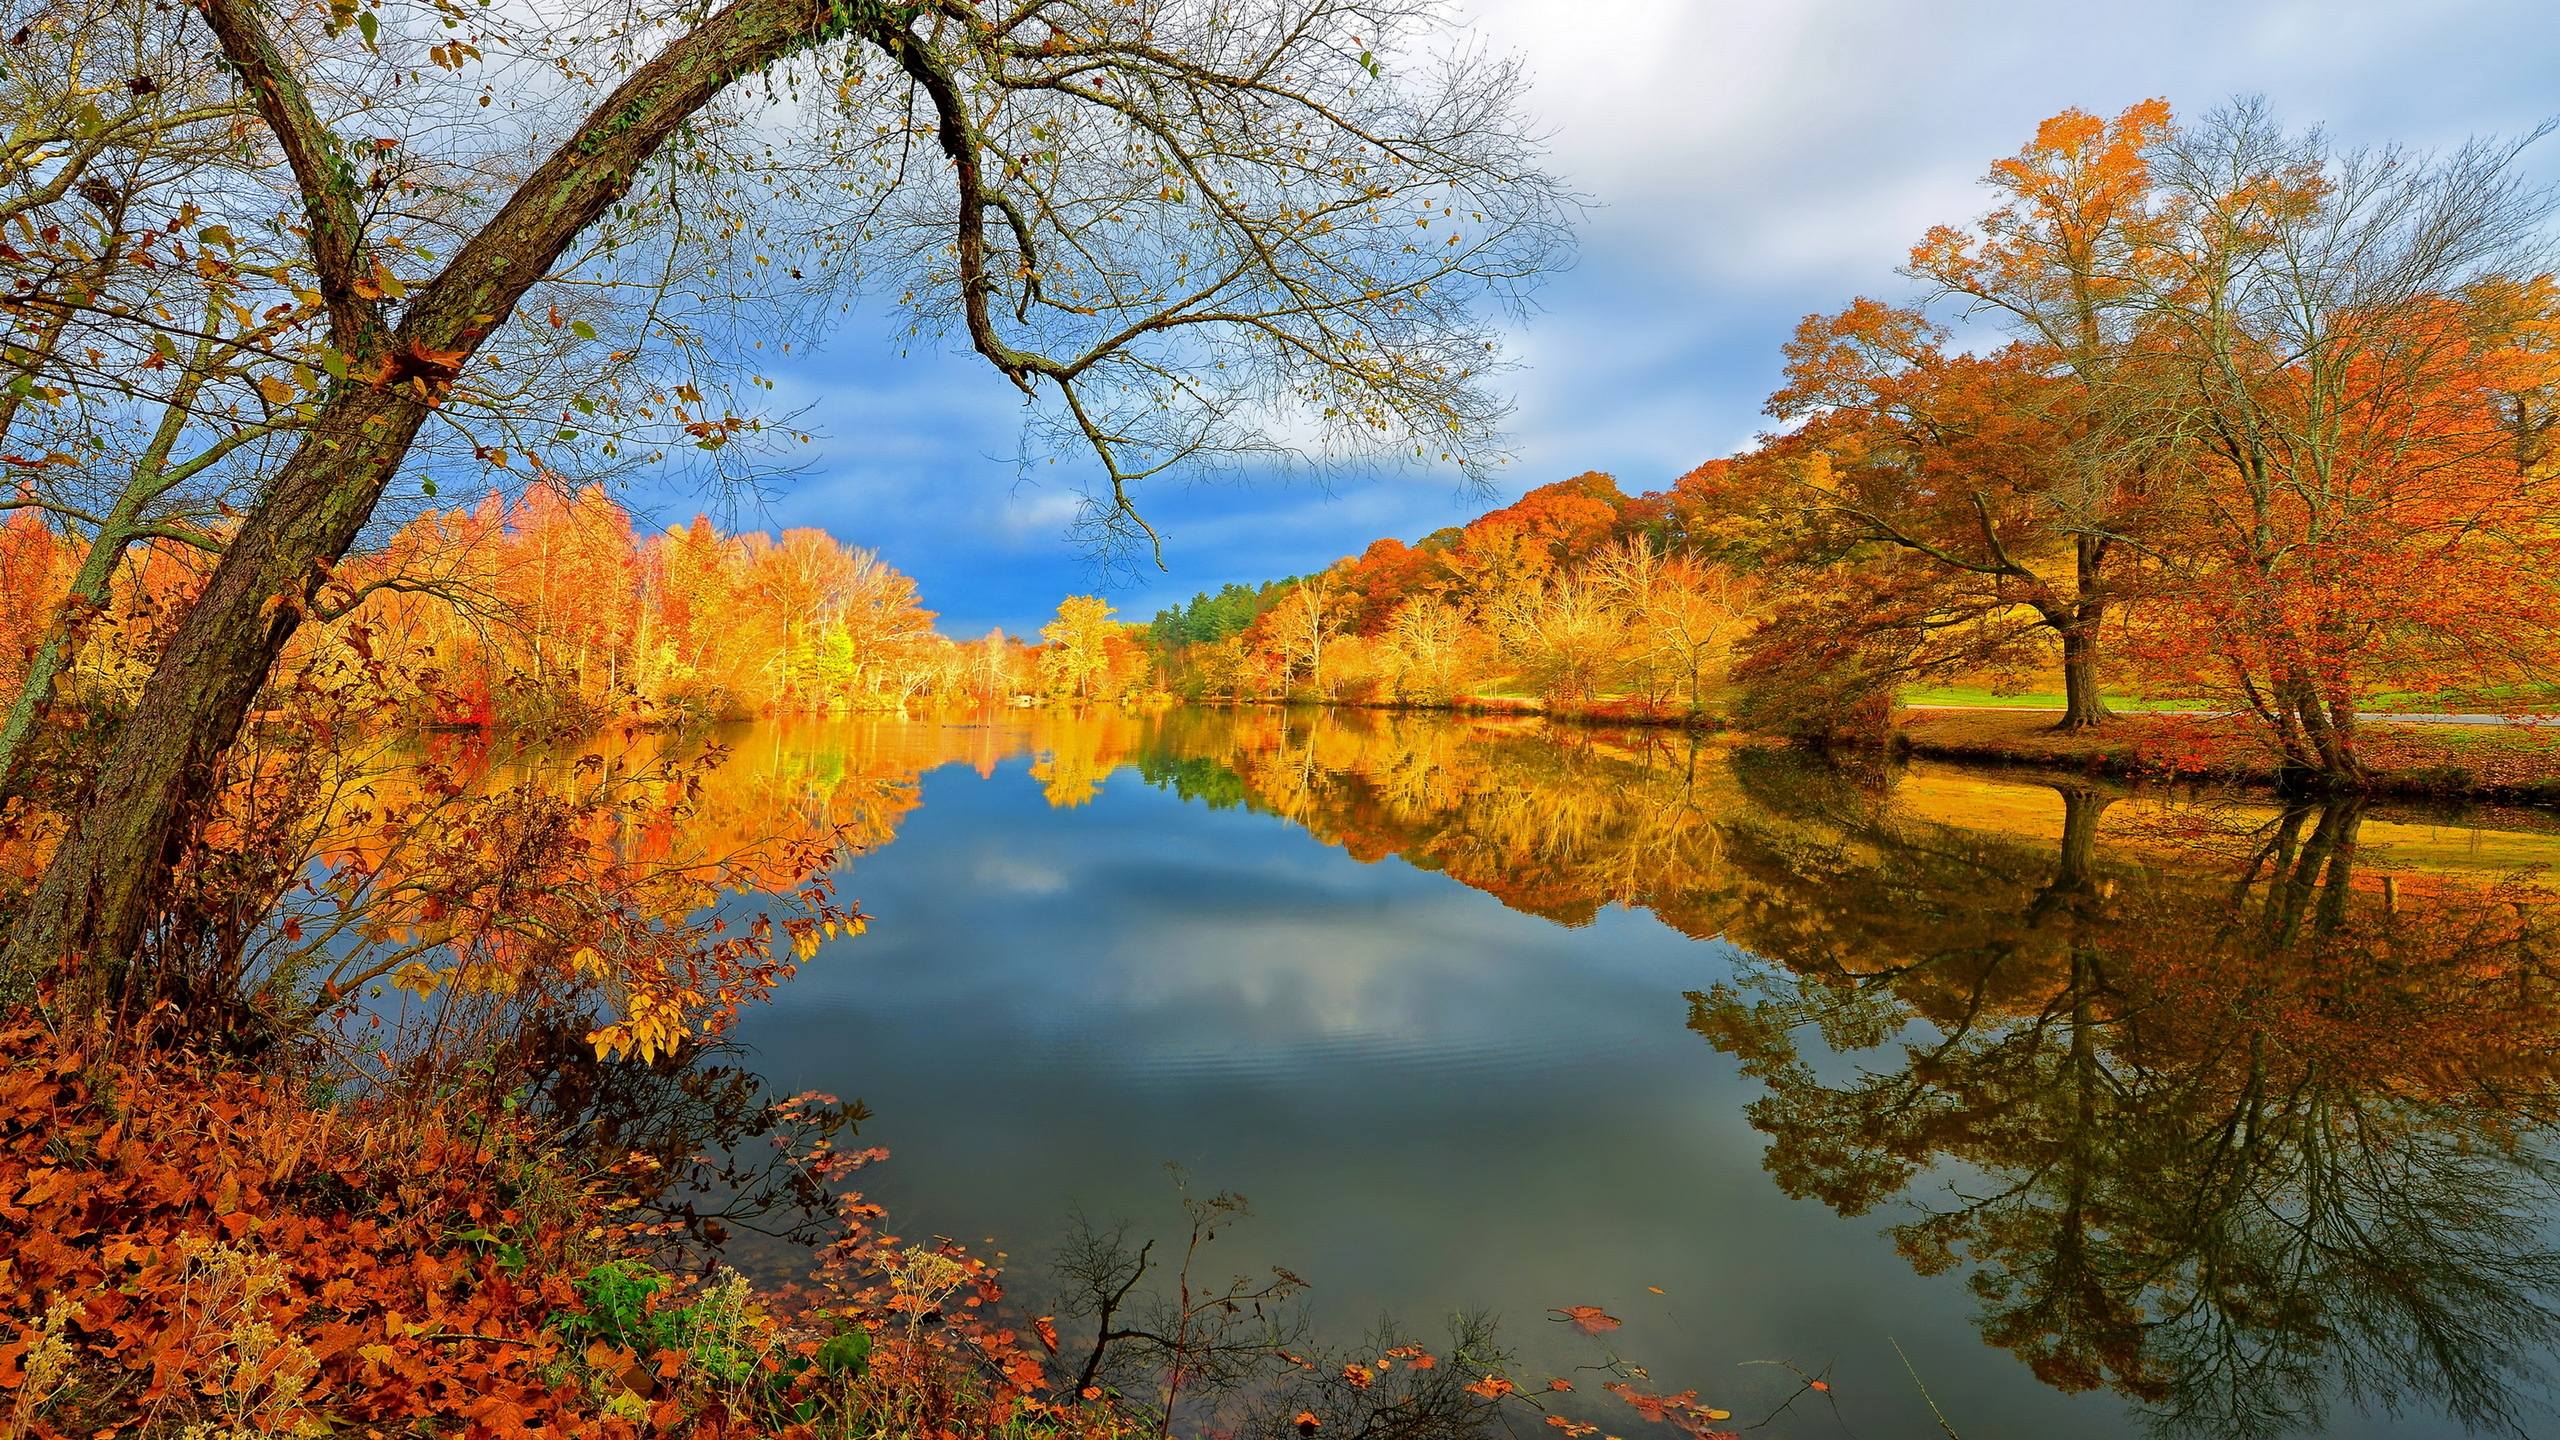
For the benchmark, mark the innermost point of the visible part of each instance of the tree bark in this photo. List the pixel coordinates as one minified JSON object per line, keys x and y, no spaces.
{"x":2082,"y":706}
{"x":100,"y":892}
{"x":2340,"y":766}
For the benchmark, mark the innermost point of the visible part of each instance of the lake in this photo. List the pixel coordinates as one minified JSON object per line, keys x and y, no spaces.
{"x":2118,"y":1114}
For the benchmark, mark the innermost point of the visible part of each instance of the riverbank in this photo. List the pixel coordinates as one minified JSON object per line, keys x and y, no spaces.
{"x":2512,"y":763}
{"x":2447,"y":757}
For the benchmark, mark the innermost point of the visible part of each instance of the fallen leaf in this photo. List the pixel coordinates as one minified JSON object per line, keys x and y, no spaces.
{"x":1589,"y":1319}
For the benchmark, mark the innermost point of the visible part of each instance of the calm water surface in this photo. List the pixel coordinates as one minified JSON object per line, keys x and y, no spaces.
{"x":2120,"y":1115}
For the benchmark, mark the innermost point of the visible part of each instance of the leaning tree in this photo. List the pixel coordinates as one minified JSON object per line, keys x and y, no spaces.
{"x":1189,"y":231}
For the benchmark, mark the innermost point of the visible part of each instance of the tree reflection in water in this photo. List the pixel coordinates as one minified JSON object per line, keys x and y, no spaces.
{"x":2237,"y":1125}
{"x":2231,"y":1140}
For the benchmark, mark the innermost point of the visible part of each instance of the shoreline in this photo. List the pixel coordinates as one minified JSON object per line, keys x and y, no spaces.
{"x":2422,"y":759}
{"x":2409,"y":759}
{"x":2495,"y":760}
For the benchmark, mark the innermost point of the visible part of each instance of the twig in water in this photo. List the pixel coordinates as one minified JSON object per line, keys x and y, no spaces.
{"x":1934,"y":1412}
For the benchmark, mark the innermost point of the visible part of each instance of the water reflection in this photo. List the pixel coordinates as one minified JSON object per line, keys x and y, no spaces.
{"x":2229,"y":1142}
{"x":2234,"y":1111}
{"x":2222,"y":1123}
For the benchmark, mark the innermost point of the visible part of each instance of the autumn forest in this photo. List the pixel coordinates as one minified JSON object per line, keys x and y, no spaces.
{"x":2012,"y":900}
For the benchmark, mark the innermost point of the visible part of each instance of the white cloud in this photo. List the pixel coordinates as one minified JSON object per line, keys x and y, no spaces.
{"x":1038,"y":514}
{"x":1013,"y":875}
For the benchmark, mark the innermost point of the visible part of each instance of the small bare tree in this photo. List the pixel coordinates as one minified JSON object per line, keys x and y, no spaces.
{"x":1682,"y":610}
{"x":1428,"y":642}
{"x":1238,"y":1356}
{"x":1306,"y":618}
{"x":1198,"y":1336}
{"x":1562,"y":630}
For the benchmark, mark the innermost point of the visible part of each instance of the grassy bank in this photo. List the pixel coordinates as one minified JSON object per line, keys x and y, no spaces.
{"x":2491,"y":762}
{"x":2500,"y":700}
{"x":1980,"y":697}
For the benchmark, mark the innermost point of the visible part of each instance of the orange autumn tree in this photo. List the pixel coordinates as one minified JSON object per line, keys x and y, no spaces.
{"x":2352,"y":366}
{"x":2269,"y":417}
{"x":523,"y":611}
{"x":1576,"y":592}
{"x":547,"y":612}
{"x":1937,"y":495}
{"x":1551,"y":527}
{"x":1419,"y":623}
{"x":97,"y":661}
{"x":1385,"y":575}
{"x":2001,"y":480}
{"x":566,"y":577}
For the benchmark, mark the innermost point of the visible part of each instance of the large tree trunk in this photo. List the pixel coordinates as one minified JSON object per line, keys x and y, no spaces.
{"x":100,"y":891}
{"x":2082,"y":706}
{"x":2333,"y":736}
{"x":2274,"y":706}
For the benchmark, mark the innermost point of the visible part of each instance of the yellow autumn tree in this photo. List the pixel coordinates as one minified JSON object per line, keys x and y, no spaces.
{"x":1077,"y":652}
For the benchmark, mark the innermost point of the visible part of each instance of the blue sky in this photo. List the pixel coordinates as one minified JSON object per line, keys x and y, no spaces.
{"x":1749,"y":163}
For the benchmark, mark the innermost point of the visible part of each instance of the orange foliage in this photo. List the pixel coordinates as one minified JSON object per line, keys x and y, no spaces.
{"x":217,"y":1250}
{"x":191,"y":1245}
{"x":34,"y":564}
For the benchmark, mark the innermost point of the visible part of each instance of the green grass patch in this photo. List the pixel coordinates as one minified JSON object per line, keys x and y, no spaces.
{"x":1977,"y":697}
{"x":2498,"y":700}
{"x":2504,"y":700}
